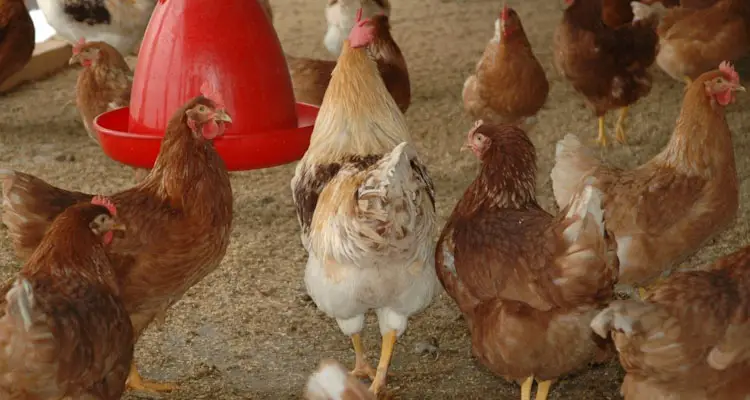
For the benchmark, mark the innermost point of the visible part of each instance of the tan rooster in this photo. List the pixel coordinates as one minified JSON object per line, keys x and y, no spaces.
{"x":366,"y":209}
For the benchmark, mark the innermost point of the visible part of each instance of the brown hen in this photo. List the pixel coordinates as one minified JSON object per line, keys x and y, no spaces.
{"x":690,"y":338}
{"x":509,"y":84}
{"x":608,"y":66}
{"x":104,"y":83}
{"x":65,"y":332}
{"x":179,"y":217}
{"x":16,"y":37}
{"x":527,"y":283}
{"x":664,"y":210}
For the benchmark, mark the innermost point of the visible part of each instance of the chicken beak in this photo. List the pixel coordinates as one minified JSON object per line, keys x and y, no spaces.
{"x":118,"y":226}
{"x":739,"y":88}
{"x":221,"y":115}
{"x":74,"y":59}
{"x":465,"y":147}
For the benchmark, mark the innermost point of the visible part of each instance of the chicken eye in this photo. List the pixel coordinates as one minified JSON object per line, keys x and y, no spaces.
{"x":202,"y":108}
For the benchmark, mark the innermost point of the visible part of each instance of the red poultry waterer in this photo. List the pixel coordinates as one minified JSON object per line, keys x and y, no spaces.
{"x":231,"y":45}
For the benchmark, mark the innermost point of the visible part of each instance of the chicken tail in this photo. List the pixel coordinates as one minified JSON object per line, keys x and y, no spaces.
{"x":630,"y":317}
{"x":390,"y":177}
{"x":589,"y":267}
{"x":20,"y":304}
{"x":643,"y":11}
{"x":332,"y":382}
{"x":572,"y":162}
{"x":29,"y":206}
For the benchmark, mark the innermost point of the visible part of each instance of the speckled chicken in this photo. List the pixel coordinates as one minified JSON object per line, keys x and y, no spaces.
{"x":366,"y":208}
{"x":64,"y":333}
{"x":527,"y":283}
{"x":689,"y":339}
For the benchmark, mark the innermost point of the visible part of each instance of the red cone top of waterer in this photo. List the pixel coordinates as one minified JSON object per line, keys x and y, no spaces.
{"x":230,"y":44}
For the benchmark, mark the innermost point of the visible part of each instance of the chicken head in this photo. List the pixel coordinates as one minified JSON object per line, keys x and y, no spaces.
{"x":509,"y":22}
{"x":105,"y":224}
{"x":723,"y":87}
{"x":208,"y":118}
{"x":84,"y":53}
{"x":477,"y":142}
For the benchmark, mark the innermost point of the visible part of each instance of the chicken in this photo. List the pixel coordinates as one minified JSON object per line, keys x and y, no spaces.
{"x":694,"y":40}
{"x":682,"y":3}
{"x":690,"y":338}
{"x":527,"y":283}
{"x":509,"y":84}
{"x":666,"y":209}
{"x":65,"y":333}
{"x":310,"y":77}
{"x":366,"y":209}
{"x":120,"y":23}
{"x":267,"y":9}
{"x":341,"y":15}
{"x":331,"y":382}
{"x":179,"y":217}
{"x":16,"y":38}
{"x":608,"y":66}
{"x":616,"y":13}
{"x":103,"y":84}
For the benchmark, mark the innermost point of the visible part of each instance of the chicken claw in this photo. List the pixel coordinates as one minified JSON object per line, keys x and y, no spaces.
{"x":602,"y":139}
{"x":135,"y":382}
{"x":378,"y":383}
{"x":362,"y":368}
{"x":620,"y":127}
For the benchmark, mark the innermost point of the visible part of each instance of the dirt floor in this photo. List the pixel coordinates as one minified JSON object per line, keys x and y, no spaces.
{"x":249,"y":331}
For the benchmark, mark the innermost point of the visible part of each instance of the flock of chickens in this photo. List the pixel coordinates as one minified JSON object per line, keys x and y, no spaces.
{"x":538,"y":291}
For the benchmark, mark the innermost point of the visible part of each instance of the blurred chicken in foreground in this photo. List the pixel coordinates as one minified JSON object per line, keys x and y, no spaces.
{"x":509,"y":84}
{"x":527,"y":283}
{"x":310,"y":77}
{"x":366,"y":208}
{"x":16,"y":37}
{"x":179,"y":217}
{"x":694,"y":40}
{"x":104,"y":82}
{"x":608,"y":66}
{"x":121,"y":23}
{"x":690,"y":338}
{"x":267,"y":9}
{"x":341,"y":16}
{"x":332,"y":382}
{"x":666,"y":209}
{"x":65,"y":333}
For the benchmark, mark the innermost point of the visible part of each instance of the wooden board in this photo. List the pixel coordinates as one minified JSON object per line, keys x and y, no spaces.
{"x":49,"y":57}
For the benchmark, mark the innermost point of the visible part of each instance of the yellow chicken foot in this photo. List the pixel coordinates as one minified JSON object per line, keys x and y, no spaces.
{"x":602,"y":139}
{"x":362,"y":368}
{"x":526,"y":388}
{"x":378,"y":383}
{"x":620,"y":127}
{"x":135,"y":382}
{"x":542,"y":390}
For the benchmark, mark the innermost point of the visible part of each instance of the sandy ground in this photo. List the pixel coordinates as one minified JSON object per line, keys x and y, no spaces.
{"x":248,"y":331}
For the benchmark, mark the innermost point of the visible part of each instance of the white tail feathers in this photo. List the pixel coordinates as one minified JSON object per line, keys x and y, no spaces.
{"x":573,"y":161}
{"x":623,"y":316}
{"x":332,"y":382}
{"x":587,"y":206}
{"x":644,"y":11}
{"x":20,"y":302}
{"x":391,"y":172}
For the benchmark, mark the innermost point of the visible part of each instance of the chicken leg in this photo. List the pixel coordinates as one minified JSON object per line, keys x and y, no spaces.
{"x":602,"y":139}
{"x":526,"y":388}
{"x":378,"y":383}
{"x":620,"y":127}
{"x":362,"y":368}
{"x":542,"y":390}
{"x":135,"y":382}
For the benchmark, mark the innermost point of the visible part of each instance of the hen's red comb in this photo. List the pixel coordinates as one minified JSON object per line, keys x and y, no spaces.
{"x":106,"y":203}
{"x":362,"y":32}
{"x":504,"y":15}
{"x":77,"y":47}
{"x":728,"y":70}
{"x":210,"y":93}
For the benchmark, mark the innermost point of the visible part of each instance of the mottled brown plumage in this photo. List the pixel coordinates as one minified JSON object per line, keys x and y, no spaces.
{"x":179,"y":217}
{"x":16,"y":37}
{"x":103,"y":84}
{"x":65,"y":331}
{"x":689,"y":339}
{"x":509,"y":84}
{"x":527,"y":283}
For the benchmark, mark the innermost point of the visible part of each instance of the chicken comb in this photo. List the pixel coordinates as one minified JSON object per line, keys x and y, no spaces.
{"x":504,"y":15}
{"x":727,"y":69}
{"x":210,"y":93}
{"x":361,"y":34}
{"x":77,"y":47}
{"x":106,"y":203}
